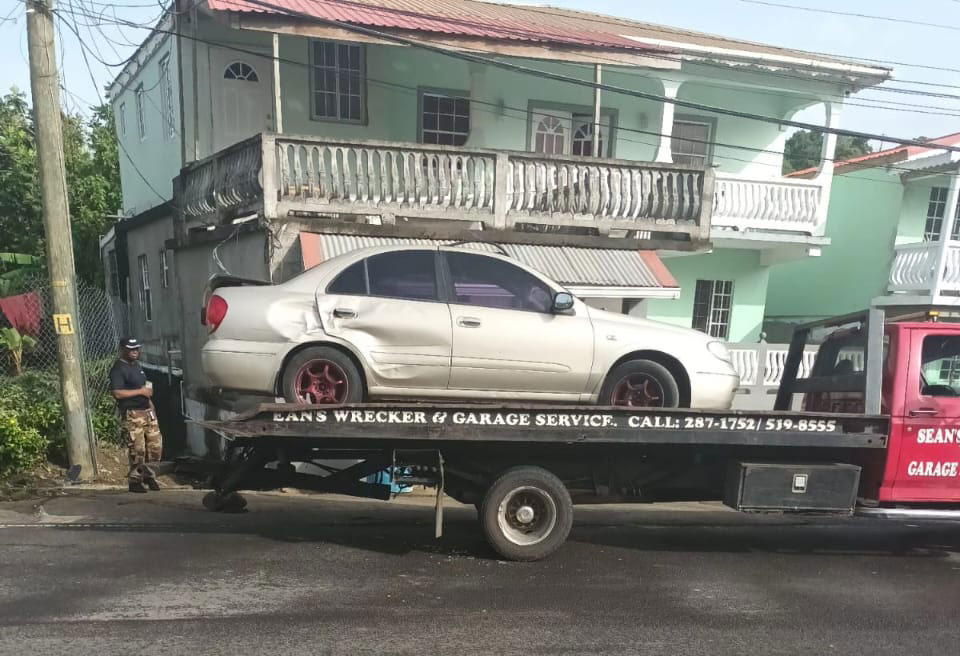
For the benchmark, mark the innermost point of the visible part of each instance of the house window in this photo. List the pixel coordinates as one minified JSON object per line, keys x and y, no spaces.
{"x":141,"y":120}
{"x":122,"y":118}
{"x":164,"y":270}
{"x":690,"y":142}
{"x":145,"y":301}
{"x":166,"y":97}
{"x":583,"y":139}
{"x":444,"y":119}
{"x":564,"y":132}
{"x":936,"y":211}
{"x":338,"y":81}
{"x":712,"y":302}
{"x":240,"y":71}
{"x":550,"y":136}
{"x":113,"y":273}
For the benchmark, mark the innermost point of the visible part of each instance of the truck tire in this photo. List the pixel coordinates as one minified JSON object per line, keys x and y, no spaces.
{"x":321,"y":374}
{"x":640,"y":384}
{"x":526,"y":514}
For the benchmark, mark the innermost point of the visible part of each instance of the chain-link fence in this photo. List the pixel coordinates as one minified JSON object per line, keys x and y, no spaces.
{"x":28,"y":342}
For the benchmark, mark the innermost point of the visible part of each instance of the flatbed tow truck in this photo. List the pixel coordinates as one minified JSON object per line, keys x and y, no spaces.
{"x":879,"y":435}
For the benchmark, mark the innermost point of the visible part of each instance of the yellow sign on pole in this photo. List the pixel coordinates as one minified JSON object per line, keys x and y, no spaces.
{"x":63,"y":324}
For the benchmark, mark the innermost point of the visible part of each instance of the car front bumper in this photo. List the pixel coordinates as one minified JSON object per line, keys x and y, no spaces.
{"x":714,"y":390}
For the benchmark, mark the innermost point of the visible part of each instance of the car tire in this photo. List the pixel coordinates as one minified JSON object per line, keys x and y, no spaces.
{"x":646,"y":380}
{"x":339,"y":364}
{"x":547,"y":520}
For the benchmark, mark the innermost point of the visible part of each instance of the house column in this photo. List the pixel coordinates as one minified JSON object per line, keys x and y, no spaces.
{"x":665,"y":150}
{"x":824,"y":176}
{"x":277,"y":106}
{"x":946,"y":230}
{"x":598,"y":79}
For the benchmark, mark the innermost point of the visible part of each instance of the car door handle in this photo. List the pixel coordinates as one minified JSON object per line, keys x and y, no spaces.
{"x":345,"y":313}
{"x":468,"y":322}
{"x":924,"y":412}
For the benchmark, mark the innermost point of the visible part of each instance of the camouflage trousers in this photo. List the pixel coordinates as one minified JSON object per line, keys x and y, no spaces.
{"x":144,"y":442}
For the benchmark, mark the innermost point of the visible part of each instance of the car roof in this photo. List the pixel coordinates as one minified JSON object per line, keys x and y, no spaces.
{"x":334,"y":265}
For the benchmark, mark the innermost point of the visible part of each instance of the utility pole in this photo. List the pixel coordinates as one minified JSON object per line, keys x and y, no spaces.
{"x":44,"y":85}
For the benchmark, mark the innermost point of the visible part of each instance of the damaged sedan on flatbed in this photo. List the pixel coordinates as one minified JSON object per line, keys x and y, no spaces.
{"x":449,"y":323}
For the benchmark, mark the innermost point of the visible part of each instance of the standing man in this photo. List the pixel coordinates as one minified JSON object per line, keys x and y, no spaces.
{"x":137,"y":415}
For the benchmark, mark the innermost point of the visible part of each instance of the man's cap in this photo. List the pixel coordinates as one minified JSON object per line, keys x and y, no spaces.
{"x":130,"y":343}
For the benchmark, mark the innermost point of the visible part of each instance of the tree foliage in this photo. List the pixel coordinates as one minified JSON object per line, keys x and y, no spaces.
{"x":803,"y":150}
{"x":93,"y":182}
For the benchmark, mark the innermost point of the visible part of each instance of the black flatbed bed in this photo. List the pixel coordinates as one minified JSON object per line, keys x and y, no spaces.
{"x":401,"y":425}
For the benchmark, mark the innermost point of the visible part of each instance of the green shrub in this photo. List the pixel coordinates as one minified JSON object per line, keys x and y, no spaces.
{"x":21,"y":446}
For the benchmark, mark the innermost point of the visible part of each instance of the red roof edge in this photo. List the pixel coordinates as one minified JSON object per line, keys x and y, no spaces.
{"x":896,"y":153}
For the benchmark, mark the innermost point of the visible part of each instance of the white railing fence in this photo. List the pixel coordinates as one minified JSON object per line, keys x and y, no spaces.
{"x":761,"y":369}
{"x":742,"y":202}
{"x":291,"y":175}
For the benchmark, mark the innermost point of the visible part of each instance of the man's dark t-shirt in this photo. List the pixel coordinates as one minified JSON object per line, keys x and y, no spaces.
{"x":129,"y":376}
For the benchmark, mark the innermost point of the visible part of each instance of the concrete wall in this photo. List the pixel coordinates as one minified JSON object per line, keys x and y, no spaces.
{"x":149,"y":239}
{"x":865,"y":210}
{"x":148,"y":164}
{"x":749,"y":290}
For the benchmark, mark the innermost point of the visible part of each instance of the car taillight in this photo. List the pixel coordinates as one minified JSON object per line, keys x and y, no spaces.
{"x":216,"y":311}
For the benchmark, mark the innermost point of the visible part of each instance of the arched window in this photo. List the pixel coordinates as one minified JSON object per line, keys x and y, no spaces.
{"x":583,"y":140}
{"x":240,"y":71}
{"x":550,"y":136}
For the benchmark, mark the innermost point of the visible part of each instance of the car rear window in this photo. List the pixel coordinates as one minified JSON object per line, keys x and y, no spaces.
{"x":352,"y":281}
{"x":403,"y":274}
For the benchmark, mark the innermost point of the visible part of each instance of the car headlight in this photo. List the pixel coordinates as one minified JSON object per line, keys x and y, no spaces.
{"x":719,"y":350}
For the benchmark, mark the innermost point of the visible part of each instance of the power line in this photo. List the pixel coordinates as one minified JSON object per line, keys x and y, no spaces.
{"x":235,"y":48}
{"x":593,"y":85}
{"x":835,"y":12}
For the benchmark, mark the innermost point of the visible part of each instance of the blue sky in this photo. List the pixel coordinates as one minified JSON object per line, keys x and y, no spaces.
{"x":844,"y":35}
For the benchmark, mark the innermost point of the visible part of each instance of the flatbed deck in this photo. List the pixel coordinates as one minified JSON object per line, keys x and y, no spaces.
{"x":401,"y":424}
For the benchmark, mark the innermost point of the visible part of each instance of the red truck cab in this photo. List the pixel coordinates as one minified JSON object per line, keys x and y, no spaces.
{"x":919,"y":389}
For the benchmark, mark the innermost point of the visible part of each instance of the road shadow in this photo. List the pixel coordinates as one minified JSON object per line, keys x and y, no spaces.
{"x":399,"y":529}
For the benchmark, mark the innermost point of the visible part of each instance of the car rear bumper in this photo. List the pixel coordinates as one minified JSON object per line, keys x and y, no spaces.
{"x":250,"y":366}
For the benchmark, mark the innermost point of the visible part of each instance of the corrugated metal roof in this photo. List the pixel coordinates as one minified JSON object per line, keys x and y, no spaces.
{"x":581,"y":267}
{"x":500,"y":21}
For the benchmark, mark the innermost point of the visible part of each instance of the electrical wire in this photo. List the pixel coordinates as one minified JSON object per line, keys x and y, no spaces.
{"x":235,"y":48}
{"x":836,"y":12}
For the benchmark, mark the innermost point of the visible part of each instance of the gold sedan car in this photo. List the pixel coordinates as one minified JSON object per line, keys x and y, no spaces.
{"x":449,"y":323}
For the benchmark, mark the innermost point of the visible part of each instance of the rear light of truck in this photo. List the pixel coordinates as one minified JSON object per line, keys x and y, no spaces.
{"x":215,"y":312}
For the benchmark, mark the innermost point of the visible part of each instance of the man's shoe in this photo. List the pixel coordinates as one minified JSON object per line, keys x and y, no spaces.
{"x":137,"y":486}
{"x":152,"y":484}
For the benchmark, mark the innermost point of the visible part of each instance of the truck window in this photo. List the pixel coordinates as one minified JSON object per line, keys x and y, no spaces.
{"x":940,"y":366}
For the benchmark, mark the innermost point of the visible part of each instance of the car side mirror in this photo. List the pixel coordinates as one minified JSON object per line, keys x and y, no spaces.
{"x":562,"y":301}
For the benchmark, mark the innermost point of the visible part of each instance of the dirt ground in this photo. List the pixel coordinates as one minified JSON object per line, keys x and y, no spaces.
{"x":50,"y":478}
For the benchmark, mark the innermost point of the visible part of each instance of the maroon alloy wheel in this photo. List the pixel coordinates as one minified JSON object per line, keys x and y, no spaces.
{"x":639,"y":390}
{"x":321,"y":381}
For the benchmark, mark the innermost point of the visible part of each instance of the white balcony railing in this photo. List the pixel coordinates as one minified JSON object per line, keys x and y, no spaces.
{"x":769,"y":204}
{"x":281,"y":175}
{"x":914,"y":268}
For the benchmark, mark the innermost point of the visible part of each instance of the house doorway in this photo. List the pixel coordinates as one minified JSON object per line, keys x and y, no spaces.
{"x":242,"y":90}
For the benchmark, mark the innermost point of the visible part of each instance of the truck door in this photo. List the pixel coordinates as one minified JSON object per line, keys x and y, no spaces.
{"x":928,"y":466}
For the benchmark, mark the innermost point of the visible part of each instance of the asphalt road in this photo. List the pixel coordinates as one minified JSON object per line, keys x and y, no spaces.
{"x":109,"y":573}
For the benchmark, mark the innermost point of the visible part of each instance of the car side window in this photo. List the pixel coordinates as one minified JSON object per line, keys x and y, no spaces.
{"x":403,"y":274}
{"x":489,"y":282}
{"x":352,"y":281}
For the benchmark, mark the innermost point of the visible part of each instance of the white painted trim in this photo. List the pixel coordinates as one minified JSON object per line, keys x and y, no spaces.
{"x":793,"y":60}
{"x":590,"y":291}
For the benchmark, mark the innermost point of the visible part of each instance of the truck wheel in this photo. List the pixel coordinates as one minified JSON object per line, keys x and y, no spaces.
{"x":321,"y":374}
{"x":526,"y":514}
{"x":640,"y":384}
